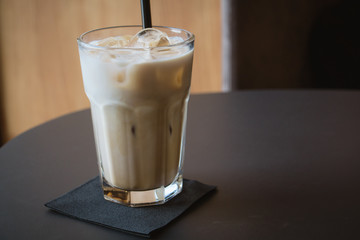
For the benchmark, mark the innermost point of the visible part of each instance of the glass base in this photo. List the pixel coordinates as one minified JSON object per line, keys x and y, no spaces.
{"x":142,"y":198}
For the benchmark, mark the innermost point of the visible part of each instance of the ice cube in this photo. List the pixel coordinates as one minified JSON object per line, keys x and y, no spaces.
{"x":148,"y":38}
{"x":113,"y":42}
{"x":175,"y":40}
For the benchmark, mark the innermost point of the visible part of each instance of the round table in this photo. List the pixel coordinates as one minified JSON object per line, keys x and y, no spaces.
{"x":286,"y":165}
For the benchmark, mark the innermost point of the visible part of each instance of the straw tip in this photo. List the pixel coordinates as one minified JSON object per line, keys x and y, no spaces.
{"x":146,"y":13}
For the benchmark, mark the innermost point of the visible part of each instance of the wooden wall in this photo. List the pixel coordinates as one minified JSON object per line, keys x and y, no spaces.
{"x":39,"y":64}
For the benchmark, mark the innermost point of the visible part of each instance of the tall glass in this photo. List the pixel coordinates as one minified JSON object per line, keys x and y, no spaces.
{"x":138,"y":100}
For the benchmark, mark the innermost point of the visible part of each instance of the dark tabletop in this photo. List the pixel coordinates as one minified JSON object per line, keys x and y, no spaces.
{"x":286,"y":164}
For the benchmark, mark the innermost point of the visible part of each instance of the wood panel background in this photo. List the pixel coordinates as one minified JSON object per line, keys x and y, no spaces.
{"x":39,"y":64}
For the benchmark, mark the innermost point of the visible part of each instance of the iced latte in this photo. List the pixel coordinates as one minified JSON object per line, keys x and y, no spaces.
{"x":138,"y":84}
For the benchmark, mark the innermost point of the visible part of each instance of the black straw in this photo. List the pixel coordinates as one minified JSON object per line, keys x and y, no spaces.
{"x":146,"y":13}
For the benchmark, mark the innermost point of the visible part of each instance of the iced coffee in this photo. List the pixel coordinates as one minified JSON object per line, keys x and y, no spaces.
{"x":138,"y":85}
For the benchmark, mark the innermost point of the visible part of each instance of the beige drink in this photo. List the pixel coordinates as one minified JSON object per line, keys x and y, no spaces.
{"x":138,"y":87}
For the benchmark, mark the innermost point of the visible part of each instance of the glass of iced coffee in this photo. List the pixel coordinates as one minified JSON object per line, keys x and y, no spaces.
{"x":137,"y":81}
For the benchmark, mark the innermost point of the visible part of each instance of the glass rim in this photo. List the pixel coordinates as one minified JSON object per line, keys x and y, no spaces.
{"x":81,"y":42}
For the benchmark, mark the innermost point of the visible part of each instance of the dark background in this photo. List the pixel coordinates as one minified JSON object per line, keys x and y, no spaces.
{"x":291,"y":44}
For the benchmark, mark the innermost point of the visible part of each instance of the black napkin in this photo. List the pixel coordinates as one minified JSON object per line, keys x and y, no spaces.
{"x":87,"y":203}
